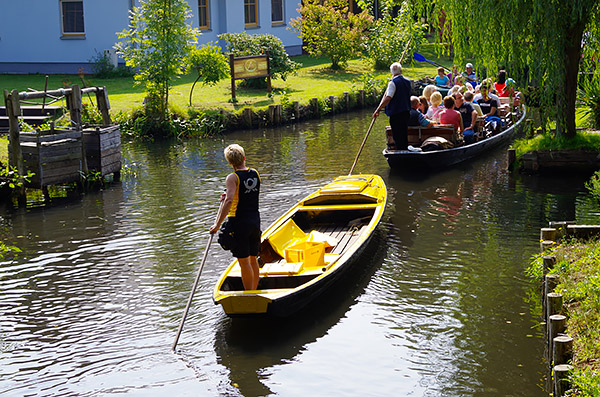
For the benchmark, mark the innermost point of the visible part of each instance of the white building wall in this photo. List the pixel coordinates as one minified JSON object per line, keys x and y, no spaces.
{"x":31,"y":39}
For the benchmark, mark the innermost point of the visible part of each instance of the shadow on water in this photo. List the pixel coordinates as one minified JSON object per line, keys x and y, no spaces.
{"x":249,"y":346}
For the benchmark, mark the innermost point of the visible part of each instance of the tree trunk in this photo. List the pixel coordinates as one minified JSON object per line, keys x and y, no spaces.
{"x":566,"y":105}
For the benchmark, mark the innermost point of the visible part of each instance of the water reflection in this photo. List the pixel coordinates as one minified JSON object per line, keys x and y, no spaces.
{"x":438,"y":307}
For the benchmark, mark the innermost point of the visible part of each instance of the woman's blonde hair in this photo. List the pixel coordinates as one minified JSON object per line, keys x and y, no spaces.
{"x":436,"y":99}
{"x":428,"y":90}
{"x":234,"y":154}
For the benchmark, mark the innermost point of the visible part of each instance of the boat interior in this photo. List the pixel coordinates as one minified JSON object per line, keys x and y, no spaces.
{"x":305,"y":246}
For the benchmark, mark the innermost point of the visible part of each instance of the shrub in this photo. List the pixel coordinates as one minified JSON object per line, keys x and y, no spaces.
{"x":102,"y":68}
{"x":210,"y":64}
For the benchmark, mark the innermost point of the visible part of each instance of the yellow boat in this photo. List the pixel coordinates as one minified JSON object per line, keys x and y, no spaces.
{"x":308,"y":248}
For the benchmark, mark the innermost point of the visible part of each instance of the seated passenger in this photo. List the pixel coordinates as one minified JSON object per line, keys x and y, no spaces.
{"x":468,"y":114}
{"x":489,"y":105}
{"x":436,"y":107}
{"x":424,"y":106}
{"x":428,"y":91}
{"x":417,"y":118}
{"x":468,"y":97}
{"x":453,"y":74}
{"x":451,"y":116}
{"x":500,"y":82}
{"x":441,"y":80}
{"x":470,"y":75}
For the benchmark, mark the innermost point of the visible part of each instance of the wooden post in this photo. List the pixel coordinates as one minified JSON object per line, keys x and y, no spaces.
{"x":277,"y":114}
{"x":347,"y":100}
{"x":297,"y":110}
{"x":315,"y":106}
{"x":554,"y":302}
{"x":548,"y":263}
{"x":361,"y":98}
{"x":331,"y":103}
{"x":556,"y":326}
{"x":561,"y":379}
{"x":512,"y":157}
{"x":562,"y":349}
{"x":550,"y":281}
{"x":248,"y":116}
{"x":232,"y":72}
{"x":545,"y":245}
{"x":269,"y":88}
{"x":548,"y":233}
{"x":103,"y":105}
{"x":271,"y":114}
{"x":15,"y":159}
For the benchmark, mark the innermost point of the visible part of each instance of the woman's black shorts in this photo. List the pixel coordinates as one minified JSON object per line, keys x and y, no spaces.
{"x":247,"y":235}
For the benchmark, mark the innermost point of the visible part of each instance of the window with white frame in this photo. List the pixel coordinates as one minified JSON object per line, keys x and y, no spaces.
{"x":277,"y":12}
{"x":204,"y":14}
{"x":71,"y":12}
{"x":250,"y":13}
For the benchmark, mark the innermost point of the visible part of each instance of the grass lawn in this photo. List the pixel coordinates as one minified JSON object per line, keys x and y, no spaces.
{"x":313,"y":79}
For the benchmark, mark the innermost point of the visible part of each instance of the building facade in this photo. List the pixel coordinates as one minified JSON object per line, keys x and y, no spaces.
{"x":64,"y":36}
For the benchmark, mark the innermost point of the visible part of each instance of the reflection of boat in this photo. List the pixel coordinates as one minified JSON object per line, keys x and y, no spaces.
{"x":438,"y":159}
{"x":308,"y":248}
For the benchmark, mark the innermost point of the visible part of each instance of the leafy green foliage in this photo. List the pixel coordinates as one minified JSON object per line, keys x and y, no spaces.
{"x":583,"y":141}
{"x":328,"y":28}
{"x":156,"y":45}
{"x":589,"y":97}
{"x":243,"y":44}
{"x":392,"y":37}
{"x":593,"y":185}
{"x":210,"y":64}
{"x":9,"y":177}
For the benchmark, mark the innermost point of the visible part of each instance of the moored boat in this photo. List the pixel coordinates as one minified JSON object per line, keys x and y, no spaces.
{"x":308,"y":248}
{"x":434,"y":160}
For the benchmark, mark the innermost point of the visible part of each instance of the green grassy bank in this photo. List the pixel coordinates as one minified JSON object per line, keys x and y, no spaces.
{"x":578,"y":268}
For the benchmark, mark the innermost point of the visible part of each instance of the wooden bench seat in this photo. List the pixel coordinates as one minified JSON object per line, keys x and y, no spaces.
{"x":417,"y":135}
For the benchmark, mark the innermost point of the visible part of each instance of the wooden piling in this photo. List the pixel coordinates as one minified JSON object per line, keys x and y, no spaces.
{"x":347,"y":100}
{"x":297,"y":110}
{"x":248,"y":116}
{"x":548,"y":263}
{"x":548,"y":233}
{"x":361,"y":98}
{"x":332,"y":103}
{"x":512,"y":157}
{"x":562,"y":349}
{"x":550,"y":283}
{"x":556,"y":327}
{"x":554,"y":303}
{"x":315,"y":105}
{"x":561,"y":379}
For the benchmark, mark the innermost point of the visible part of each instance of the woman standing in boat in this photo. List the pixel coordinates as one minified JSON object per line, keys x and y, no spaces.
{"x":241,"y":206}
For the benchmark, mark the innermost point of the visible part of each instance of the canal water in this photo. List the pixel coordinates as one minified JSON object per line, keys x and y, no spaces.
{"x":438,"y":306}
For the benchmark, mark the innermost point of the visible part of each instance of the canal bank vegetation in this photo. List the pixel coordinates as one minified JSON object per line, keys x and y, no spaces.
{"x":578,"y":270}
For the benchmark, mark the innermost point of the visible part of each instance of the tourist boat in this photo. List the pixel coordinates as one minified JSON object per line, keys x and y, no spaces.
{"x":308,"y":248}
{"x":440,"y":159}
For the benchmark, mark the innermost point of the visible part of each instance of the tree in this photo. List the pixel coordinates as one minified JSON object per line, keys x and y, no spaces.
{"x":210,"y":64}
{"x":156,"y":45}
{"x":391,"y":37}
{"x":328,"y":28}
{"x":538,"y":41}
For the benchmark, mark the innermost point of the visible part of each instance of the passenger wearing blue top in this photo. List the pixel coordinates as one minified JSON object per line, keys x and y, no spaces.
{"x":417,"y":118}
{"x":396,"y":102}
{"x":468,"y":114}
{"x":441,"y":80}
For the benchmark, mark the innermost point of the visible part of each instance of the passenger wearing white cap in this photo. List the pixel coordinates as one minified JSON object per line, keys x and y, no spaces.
{"x":470,"y":75}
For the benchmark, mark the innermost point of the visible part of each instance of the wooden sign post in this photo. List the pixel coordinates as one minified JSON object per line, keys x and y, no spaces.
{"x":249,"y":68}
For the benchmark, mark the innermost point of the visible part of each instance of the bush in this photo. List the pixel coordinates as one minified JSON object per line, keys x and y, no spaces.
{"x":243,"y":44}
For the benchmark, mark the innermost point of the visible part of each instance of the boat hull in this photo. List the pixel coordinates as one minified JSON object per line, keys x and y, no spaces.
{"x":439,"y":159}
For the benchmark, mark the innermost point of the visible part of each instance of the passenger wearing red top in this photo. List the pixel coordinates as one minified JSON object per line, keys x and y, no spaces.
{"x":451,"y":116}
